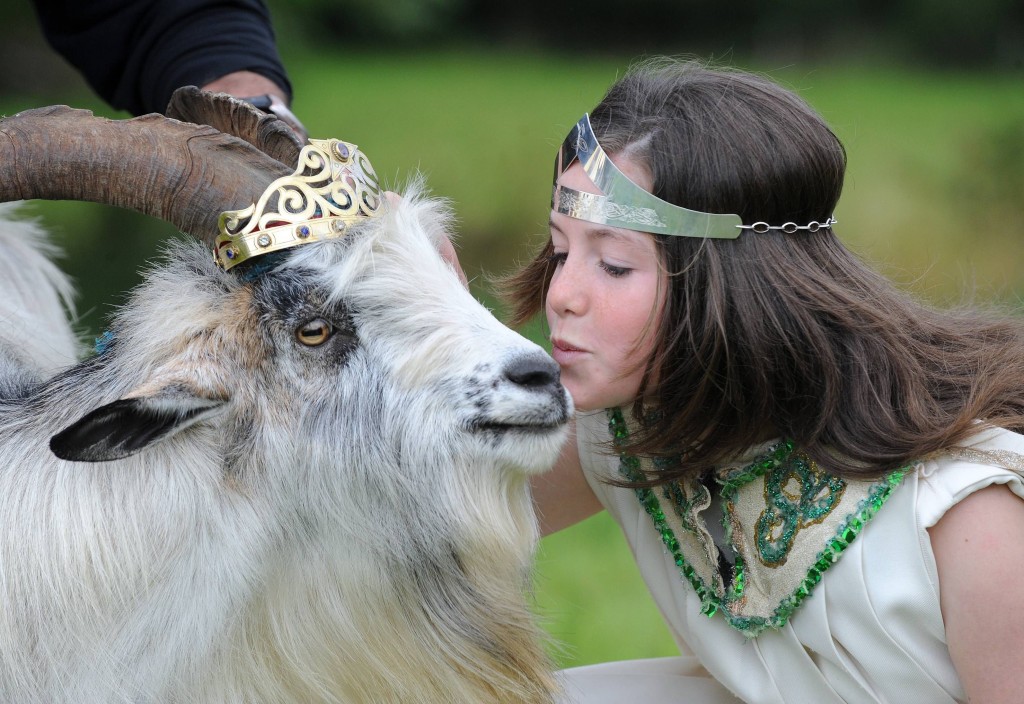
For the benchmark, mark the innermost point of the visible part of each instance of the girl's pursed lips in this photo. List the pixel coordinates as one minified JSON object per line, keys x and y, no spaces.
{"x":565,"y":346}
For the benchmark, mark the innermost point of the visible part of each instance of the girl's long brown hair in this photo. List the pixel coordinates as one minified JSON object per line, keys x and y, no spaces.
{"x":783,"y":334}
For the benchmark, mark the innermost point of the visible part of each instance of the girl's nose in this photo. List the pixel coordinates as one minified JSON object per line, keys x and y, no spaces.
{"x":566,"y":293}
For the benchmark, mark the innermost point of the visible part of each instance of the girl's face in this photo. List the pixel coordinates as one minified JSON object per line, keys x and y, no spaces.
{"x":605,"y":297}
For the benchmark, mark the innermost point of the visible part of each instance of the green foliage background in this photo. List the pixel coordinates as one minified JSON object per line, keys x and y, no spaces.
{"x":934,"y":197}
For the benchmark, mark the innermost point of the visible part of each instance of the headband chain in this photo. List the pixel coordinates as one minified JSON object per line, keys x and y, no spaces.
{"x":790,"y":227}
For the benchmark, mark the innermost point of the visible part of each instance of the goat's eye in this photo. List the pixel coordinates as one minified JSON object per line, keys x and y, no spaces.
{"x":315,"y":332}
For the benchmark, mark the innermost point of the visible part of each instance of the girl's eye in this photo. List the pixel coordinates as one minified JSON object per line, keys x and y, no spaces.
{"x":615,"y":271}
{"x":557,"y":258}
{"x":314,"y":333}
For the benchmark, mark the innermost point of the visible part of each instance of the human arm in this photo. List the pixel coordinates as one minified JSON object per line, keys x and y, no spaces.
{"x":979,"y":551}
{"x":562,"y":496}
{"x":135,"y":53}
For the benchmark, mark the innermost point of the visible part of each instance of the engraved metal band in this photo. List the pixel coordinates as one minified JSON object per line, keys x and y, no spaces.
{"x":628,"y":205}
{"x":624,"y":203}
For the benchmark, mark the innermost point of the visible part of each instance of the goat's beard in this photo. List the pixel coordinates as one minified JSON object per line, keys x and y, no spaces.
{"x":452,"y":589}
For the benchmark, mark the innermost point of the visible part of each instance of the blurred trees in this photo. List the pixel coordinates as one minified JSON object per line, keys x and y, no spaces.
{"x":937,"y":32}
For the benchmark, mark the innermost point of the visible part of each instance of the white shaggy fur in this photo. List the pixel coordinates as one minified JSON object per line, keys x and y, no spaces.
{"x":33,"y":330}
{"x":343,"y":523}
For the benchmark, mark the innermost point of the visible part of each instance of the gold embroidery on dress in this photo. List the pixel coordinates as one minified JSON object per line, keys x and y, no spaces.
{"x":1000,"y":458}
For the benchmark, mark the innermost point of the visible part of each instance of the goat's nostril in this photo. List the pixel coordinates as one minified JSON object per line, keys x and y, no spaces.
{"x":533,"y":372}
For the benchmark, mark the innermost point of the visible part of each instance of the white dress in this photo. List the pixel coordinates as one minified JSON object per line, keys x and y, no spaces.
{"x":839,"y":599}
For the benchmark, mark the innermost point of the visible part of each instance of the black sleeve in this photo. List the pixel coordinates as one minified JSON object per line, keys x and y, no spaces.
{"x":135,"y":53}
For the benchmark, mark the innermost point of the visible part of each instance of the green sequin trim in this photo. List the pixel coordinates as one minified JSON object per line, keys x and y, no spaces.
{"x":630,"y":468}
{"x":787,"y":512}
{"x":815,"y":506}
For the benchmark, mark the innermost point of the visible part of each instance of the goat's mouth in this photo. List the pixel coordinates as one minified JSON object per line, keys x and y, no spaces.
{"x":538,"y":427}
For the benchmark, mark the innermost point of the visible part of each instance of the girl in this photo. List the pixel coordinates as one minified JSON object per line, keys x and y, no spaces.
{"x":819,"y":477}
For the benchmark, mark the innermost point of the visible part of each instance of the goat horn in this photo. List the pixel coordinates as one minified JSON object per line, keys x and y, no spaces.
{"x":182,"y":173}
{"x":268,"y":133}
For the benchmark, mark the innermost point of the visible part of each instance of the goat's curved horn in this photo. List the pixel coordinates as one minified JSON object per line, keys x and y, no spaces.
{"x":182,"y":173}
{"x":268,"y":133}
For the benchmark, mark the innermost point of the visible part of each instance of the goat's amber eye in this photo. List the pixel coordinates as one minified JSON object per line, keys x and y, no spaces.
{"x":315,"y":332}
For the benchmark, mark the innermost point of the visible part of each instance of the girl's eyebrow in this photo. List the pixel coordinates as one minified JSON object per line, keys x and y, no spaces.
{"x":604,"y":233}
{"x":625,"y":238}
{"x":597,"y":233}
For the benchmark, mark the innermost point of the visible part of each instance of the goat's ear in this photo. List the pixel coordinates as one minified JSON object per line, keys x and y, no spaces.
{"x":128,"y":425}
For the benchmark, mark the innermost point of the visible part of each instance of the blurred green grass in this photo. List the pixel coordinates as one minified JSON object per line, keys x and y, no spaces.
{"x":934,"y":197}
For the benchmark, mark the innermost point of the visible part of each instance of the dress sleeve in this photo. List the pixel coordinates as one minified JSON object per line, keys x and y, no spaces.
{"x":994,"y":456}
{"x":135,"y":53}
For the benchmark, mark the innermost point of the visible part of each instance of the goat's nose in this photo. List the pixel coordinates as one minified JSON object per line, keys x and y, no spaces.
{"x":533,"y":372}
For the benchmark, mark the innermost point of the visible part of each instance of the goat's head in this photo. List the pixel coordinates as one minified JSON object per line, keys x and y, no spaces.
{"x":369,"y":336}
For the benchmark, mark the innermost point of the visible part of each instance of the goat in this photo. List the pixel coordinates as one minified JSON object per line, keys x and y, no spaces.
{"x":304,"y":486}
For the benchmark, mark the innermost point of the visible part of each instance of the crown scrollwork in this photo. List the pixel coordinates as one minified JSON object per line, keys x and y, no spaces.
{"x":333,"y":187}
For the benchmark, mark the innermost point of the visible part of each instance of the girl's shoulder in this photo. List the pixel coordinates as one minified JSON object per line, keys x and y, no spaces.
{"x":979,"y":557}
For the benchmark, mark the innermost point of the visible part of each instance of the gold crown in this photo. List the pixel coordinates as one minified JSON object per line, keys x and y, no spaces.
{"x":333,"y":187}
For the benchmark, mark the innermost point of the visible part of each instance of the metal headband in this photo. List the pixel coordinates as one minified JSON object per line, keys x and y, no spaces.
{"x":625,"y":204}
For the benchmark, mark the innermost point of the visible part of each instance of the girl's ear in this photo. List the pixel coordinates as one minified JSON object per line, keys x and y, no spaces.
{"x":128,"y":425}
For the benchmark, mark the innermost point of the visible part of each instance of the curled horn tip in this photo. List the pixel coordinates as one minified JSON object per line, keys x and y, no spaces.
{"x":228,"y":114}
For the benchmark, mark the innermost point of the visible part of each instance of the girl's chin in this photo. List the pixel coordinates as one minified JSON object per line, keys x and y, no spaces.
{"x":586,"y":402}
{"x":595,"y":392}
